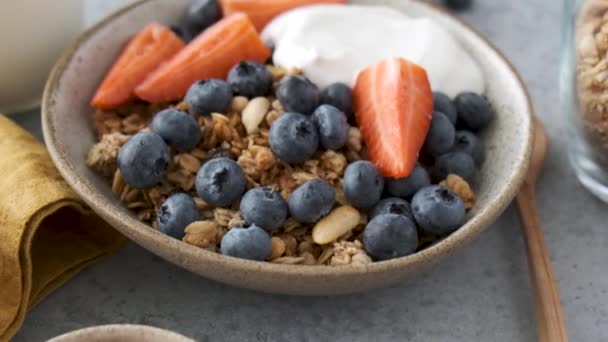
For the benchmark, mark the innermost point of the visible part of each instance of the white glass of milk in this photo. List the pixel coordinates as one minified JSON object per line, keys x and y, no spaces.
{"x":33,"y":33}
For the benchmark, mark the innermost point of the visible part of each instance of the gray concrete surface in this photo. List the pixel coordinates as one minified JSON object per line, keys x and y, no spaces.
{"x":480,"y":294}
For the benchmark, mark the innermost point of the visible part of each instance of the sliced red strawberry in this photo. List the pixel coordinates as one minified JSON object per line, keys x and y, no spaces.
{"x":393,"y":105}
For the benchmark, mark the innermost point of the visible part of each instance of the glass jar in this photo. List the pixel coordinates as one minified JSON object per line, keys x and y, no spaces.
{"x":584,"y":90}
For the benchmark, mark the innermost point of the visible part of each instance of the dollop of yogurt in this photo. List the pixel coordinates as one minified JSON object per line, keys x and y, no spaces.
{"x":332,"y":43}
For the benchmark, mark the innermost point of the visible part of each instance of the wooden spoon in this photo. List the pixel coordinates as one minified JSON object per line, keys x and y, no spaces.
{"x":549,"y":315}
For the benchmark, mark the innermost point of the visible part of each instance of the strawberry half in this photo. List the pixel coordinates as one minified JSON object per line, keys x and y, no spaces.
{"x":393,"y":105}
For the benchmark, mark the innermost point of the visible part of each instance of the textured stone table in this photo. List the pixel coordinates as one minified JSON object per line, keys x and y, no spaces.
{"x":480,"y":294}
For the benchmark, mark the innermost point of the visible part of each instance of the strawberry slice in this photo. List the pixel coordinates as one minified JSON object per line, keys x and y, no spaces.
{"x":210,"y":55}
{"x":263,"y":11}
{"x":143,"y":54}
{"x":393,"y":105}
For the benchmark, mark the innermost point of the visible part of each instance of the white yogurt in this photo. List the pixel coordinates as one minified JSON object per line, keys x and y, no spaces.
{"x":332,"y":43}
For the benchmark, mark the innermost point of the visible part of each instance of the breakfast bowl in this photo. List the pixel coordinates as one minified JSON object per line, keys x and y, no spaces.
{"x":121,"y":332}
{"x":69,"y":135}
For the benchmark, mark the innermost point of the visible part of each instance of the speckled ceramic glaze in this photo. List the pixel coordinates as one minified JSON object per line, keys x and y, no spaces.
{"x":121,"y":333}
{"x":69,"y":135}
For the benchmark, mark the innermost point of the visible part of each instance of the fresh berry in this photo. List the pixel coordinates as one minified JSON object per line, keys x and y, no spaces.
{"x":177,"y":128}
{"x":474,"y":111}
{"x":210,"y":55}
{"x":458,"y":5}
{"x":438,"y":210}
{"x":293,"y":137}
{"x":393,"y":105}
{"x":332,"y":125}
{"x":149,"y":48}
{"x":264,"y":208}
{"x":340,"y":96}
{"x":408,"y":186}
{"x":220,"y":182}
{"x":297,"y":94}
{"x":250,"y":79}
{"x":201,"y":14}
{"x":458,"y":163}
{"x":209,"y":96}
{"x":442,"y":103}
{"x":252,"y":243}
{"x":262,"y":12}
{"x":390,"y":236}
{"x":392,"y":205}
{"x":143,"y":160}
{"x":311,"y":201}
{"x":176,"y":213}
{"x":363,"y":184}
{"x":182,"y":32}
{"x":469,"y":143}
{"x":220,"y":153}
{"x":440,"y":138}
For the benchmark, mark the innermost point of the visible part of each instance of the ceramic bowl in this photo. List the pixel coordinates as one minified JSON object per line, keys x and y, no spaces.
{"x":69,"y":135}
{"x":121,"y":333}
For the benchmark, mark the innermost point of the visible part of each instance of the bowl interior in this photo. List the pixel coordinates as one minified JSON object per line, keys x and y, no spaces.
{"x":69,"y":135}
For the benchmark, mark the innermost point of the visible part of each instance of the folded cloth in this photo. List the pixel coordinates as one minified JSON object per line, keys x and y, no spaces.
{"x":47,"y":234}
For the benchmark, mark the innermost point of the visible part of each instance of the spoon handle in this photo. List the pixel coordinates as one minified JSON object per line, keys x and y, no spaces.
{"x":550,"y":318}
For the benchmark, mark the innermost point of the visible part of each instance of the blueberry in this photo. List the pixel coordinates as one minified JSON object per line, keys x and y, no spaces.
{"x":293,"y":137}
{"x":298,"y":94}
{"x":311,"y":201}
{"x":184,"y":32}
{"x":202,"y":14}
{"x":177,"y":128}
{"x":143,"y":160}
{"x":220,"y":182}
{"x":363,"y":184}
{"x":264,"y":208}
{"x":440,"y":137}
{"x":438,"y":210}
{"x":220,"y":153}
{"x":340,"y":96}
{"x":407,"y":187}
{"x":176,"y":213}
{"x":458,"y":163}
{"x":390,"y":236}
{"x":251,"y":243}
{"x":209,"y":96}
{"x":474,"y":111}
{"x":458,"y":4}
{"x":442,"y":103}
{"x":469,"y":143}
{"x":392,"y":205}
{"x":250,"y":79}
{"x":332,"y":125}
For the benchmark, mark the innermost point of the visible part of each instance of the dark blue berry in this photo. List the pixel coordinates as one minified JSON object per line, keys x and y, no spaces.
{"x":177,"y":128}
{"x":264,"y":207}
{"x":252,"y":243}
{"x":184,"y":32}
{"x":458,"y":5}
{"x":474,"y":110}
{"x":442,"y":103}
{"x":176,"y":213}
{"x":209,"y":96}
{"x":440,"y":137}
{"x":363,"y":184}
{"x":332,"y":125}
{"x":458,"y":163}
{"x":220,"y":182}
{"x":250,"y":79}
{"x":407,"y":187}
{"x":311,"y":201}
{"x":297,"y":94}
{"x":469,"y":143}
{"x":202,"y":14}
{"x":390,"y":236}
{"x":438,"y":210}
{"x":293,"y":137}
{"x":143,"y":160}
{"x":340,"y":96}
{"x":392,"y":205}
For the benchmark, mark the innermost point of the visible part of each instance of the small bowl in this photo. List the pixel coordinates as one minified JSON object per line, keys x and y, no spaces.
{"x":121,"y":333}
{"x":69,"y":135}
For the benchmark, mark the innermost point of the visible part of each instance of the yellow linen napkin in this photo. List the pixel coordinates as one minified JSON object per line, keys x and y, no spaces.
{"x":47,"y":235}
